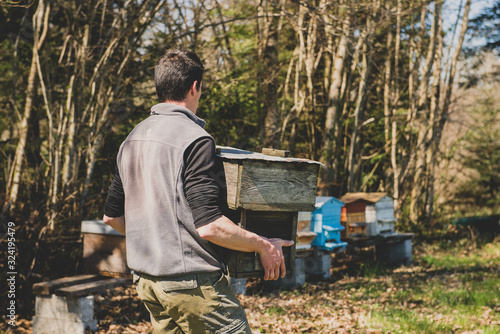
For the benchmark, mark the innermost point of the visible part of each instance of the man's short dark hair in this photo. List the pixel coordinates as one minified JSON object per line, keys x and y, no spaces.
{"x":175,"y":73}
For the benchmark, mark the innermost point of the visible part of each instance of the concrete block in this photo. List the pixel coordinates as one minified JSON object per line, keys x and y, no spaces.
{"x":372,"y":229}
{"x":76,"y":309}
{"x":319,"y":266}
{"x":239,"y":285}
{"x":55,"y":314}
{"x":397,"y":253}
{"x":295,"y":279}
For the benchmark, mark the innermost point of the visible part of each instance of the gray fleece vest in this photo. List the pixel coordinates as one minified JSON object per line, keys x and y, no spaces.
{"x":160,"y":233}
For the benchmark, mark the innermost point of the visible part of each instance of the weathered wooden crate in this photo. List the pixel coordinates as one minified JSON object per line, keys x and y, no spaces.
{"x":269,"y":224}
{"x":355,"y":226}
{"x":305,"y":234}
{"x":268,"y":191}
{"x":262,"y":182}
{"x":104,"y":250}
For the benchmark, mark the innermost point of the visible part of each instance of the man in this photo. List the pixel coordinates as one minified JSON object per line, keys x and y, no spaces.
{"x":165,"y":199}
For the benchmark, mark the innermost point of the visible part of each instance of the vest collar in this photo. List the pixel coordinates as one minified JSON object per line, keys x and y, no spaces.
{"x":168,"y":108}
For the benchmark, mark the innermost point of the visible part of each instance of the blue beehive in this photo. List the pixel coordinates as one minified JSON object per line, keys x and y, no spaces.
{"x":325,"y":220}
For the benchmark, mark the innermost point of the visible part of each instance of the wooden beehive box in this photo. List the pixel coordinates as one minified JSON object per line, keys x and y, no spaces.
{"x":384,"y":215}
{"x":376,"y":208}
{"x":104,"y":250}
{"x":268,"y":191}
{"x":325,"y":221}
{"x":355,"y":226}
{"x":353,"y":219}
{"x":305,"y":235}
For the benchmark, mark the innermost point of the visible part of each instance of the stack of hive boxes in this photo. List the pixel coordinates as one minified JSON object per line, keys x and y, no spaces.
{"x":104,"y":250}
{"x":267,"y":191}
{"x":367,"y":214}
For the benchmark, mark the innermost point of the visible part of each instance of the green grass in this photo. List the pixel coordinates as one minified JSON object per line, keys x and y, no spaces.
{"x":276,"y":310}
{"x":451,"y":287}
{"x":453,"y":291}
{"x":372,"y":269}
{"x":405,"y":321}
{"x":487,"y":255}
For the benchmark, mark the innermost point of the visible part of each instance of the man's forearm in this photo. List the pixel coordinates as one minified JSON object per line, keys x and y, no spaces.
{"x":225,"y":233}
{"x":117,"y":223}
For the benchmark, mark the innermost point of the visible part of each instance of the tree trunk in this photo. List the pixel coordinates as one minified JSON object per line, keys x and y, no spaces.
{"x":387,"y":82}
{"x":441,"y":114}
{"x":310,"y":62}
{"x":328,"y":174}
{"x":453,"y":64}
{"x":394,"y":135}
{"x":40,"y":27}
{"x":426,"y":72}
{"x":410,"y":151}
{"x":104,"y":93}
{"x":431,"y":149}
{"x":270,"y":60}
{"x":417,"y":201}
{"x":355,"y":151}
{"x":267,"y":53}
{"x":299,"y":94}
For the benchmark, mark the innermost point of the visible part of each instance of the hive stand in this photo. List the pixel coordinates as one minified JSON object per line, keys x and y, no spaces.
{"x":239,"y":285}
{"x":295,"y":279}
{"x":318,"y":266}
{"x":396,"y":249}
{"x":66,"y":305}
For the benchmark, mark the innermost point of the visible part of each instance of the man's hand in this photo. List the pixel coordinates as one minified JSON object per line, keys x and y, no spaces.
{"x":225,"y":233}
{"x":118,"y":223}
{"x":272,"y":258}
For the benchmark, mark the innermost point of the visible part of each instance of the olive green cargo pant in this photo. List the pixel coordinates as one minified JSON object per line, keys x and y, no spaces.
{"x":196,"y":303}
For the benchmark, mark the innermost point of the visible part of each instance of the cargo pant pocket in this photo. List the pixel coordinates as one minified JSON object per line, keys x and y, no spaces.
{"x":203,"y":303}
{"x":162,"y":322}
{"x":186,"y":302}
{"x":229,"y":317}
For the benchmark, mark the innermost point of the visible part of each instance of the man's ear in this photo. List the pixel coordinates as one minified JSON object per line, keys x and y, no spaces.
{"x":193,"y":89}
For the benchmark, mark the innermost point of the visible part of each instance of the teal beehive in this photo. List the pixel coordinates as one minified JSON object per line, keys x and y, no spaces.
{"x":325,"y":221}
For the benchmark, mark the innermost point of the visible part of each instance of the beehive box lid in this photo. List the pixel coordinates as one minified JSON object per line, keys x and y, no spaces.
{"x":368,"y":197}
{"x":98,"y":227}
{"x":262,"y":182}
{"x":232,"y":153}
{"x":322,"y":200}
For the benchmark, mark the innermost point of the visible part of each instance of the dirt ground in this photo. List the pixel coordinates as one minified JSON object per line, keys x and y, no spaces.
{"x":121,"y":312}
{"x":345,"y":303}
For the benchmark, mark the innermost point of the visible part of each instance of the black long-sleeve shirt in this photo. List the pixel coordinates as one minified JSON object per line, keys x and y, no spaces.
{"x":203,"y":180}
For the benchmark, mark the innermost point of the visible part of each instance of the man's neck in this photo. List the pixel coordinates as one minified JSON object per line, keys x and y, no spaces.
{"x":184,"y":104}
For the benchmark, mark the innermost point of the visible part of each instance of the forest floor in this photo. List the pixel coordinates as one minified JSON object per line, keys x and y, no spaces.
{"x":451,"y":287}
